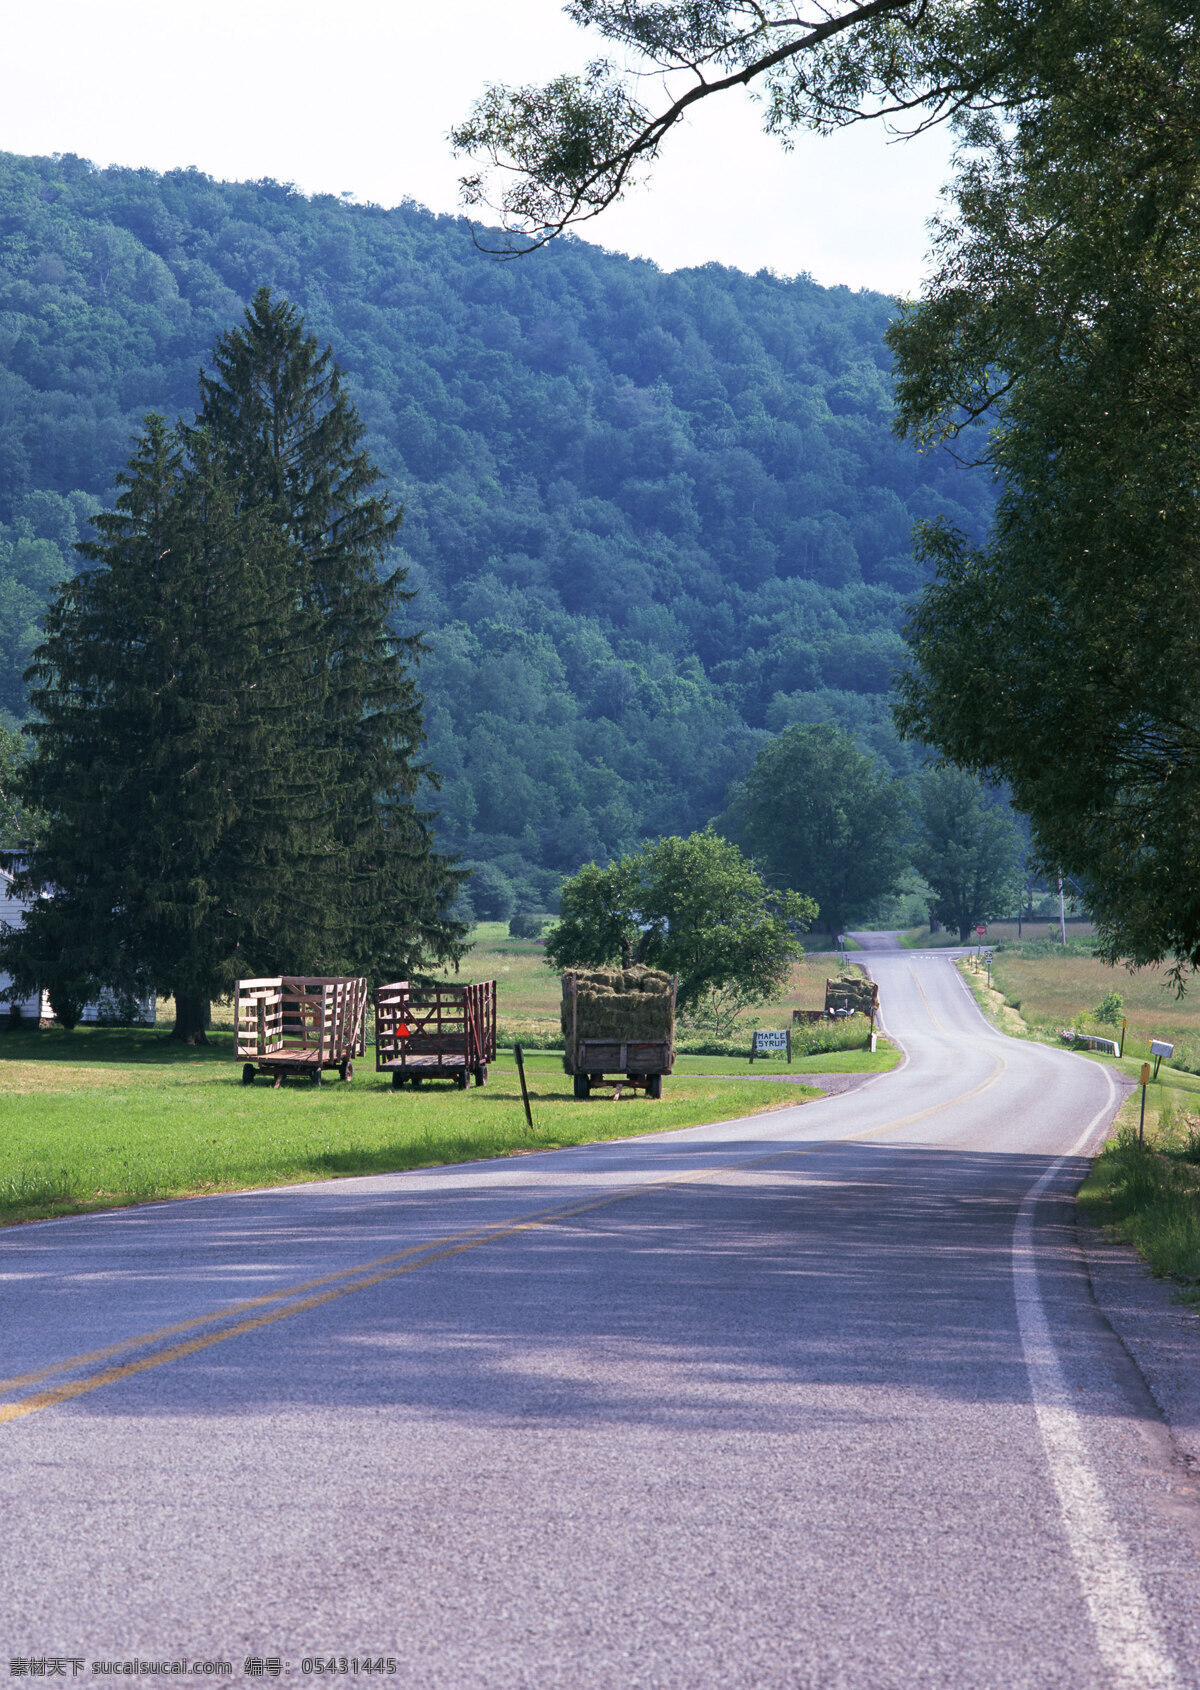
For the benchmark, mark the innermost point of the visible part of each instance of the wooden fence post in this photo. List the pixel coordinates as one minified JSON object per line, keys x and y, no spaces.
{"x":520,"y":1056}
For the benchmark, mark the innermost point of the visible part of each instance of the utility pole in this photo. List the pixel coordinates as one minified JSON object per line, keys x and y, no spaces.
{"x":1062,"y":911}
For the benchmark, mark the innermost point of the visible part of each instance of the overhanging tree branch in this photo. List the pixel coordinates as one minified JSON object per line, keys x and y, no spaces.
{"x":571,"y":149}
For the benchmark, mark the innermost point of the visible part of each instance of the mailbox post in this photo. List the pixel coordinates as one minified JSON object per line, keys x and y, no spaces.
{"x":1158,"y":1049}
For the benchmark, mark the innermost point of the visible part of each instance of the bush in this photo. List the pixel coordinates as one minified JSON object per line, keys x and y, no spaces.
{"x":525,"y":925}
{"x":491,"y":892}
{"x":1109,"y":1010}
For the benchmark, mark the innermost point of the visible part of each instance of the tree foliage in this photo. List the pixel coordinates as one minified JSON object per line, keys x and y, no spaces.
{"x":17,"y":823}
{"x":820,"y":817}
{"x":653,"y":517}
{"x":1064,"y":304}
{"x":276,"y":410}
{"x":694,"y":907}
{"x":967,"y":849}
{"x":1062,"y":655}
{"x":558,"y":155}
{"x":173,"y":831}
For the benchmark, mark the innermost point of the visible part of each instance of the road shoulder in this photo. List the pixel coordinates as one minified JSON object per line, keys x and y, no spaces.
{"x":1161,"y":1336}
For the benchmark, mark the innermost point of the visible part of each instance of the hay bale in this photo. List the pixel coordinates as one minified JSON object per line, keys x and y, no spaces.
{"x":851,"y":991}
{"x":613,"y":1003}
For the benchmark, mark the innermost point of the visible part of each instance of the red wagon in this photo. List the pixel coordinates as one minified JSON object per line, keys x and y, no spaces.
{"x":435,"y":1032}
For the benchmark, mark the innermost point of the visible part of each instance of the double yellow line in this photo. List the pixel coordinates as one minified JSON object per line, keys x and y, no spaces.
{"x":313,"y":1293}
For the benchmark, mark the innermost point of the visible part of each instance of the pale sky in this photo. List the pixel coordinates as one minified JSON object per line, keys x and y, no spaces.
{"x":359,"y":96}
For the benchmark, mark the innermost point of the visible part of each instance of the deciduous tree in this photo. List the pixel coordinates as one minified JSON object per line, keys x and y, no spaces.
{"x":820,"y":818}
{"x":1064,"y":306}
{"x":694,"y":907}
{"x":967,"y":849}
{"x":1062,"y":656}
{"x":556,"y":155}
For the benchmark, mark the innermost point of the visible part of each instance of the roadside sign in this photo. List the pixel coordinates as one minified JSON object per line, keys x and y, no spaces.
{"x":770,"y":1039}
{"x":981,"y":929}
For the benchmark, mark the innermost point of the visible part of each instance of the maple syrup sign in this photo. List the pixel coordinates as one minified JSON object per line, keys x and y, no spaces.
{"x":770,"y":1041}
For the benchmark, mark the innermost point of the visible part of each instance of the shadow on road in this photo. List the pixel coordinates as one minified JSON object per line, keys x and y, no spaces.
{"x":878,"y":1267}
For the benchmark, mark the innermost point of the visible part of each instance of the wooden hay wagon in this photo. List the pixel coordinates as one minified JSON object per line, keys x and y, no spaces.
{"x":435,"y":1032}
{"x":618,"y":1029}
{"x":300,"y":1024}
{"x":852,"y":995}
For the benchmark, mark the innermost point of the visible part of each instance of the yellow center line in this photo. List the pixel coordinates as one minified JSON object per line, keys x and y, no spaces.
{"x":367,"y":1274}
{"x":925,"y":1000}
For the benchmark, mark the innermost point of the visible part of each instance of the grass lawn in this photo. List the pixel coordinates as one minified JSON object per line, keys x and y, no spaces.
{"x":97,"y":1118}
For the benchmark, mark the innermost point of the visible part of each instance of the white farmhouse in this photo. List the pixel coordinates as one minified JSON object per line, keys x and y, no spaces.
{"x":36,"y":1007}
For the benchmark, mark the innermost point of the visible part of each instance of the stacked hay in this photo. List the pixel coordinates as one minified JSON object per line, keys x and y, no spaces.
{"x":852,"y":991}
{"x":618,"y":1003}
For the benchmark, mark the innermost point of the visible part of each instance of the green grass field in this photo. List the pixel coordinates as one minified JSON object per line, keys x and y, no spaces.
{"x":97,"y":1118}
{"x":1050,"y":988}
{"x":100,"y":1117}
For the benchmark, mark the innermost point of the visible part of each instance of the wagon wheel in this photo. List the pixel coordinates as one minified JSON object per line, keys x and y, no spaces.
{"x":347,"y":1070}
{"x":248,"y":1072}
{"x":316,"y":1076}
{"x":653,"y":1085}
{"x":460,"y":1079}
{"x":416,"y":1080}
{"x":480,"y":1076}
{"x":397,"y":1080}
{"x":583,"y":1085}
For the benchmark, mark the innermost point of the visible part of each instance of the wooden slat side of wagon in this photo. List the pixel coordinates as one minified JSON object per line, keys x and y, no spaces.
{"x":629,"y":1063}
{"x":435,"y":1032}
{"x":300,"y":1024}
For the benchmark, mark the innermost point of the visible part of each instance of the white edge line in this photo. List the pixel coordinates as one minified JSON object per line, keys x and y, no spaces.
{"x":1126,"y":1632}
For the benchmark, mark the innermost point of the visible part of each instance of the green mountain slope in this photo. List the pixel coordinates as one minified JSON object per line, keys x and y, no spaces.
{"x":652,"y":517}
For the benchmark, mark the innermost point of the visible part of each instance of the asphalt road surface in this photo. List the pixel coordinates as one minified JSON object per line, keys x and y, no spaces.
{"x":818,"y":1398}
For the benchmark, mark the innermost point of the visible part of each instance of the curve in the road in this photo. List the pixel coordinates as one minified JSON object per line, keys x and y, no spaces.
{"x":815,"y":1400}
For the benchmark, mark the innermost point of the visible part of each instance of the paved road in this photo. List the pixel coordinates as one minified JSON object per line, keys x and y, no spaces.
{"x":813,"y":1399}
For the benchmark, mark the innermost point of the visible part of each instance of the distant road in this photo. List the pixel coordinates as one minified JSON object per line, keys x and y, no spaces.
{"x":818,"y":1398}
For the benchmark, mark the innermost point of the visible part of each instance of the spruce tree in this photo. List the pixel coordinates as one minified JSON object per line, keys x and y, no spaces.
{"x":178,"y":832}
{"x":275,"y":406}
{"x":226,"y":729}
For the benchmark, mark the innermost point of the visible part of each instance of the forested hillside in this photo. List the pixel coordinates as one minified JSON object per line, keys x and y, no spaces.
{"x":651,"y":517}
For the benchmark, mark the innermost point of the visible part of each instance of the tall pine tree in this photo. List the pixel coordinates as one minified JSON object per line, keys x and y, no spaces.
{"x":227,"y":730}
{"x":175,"y":824}
{"x":274,"y":404}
